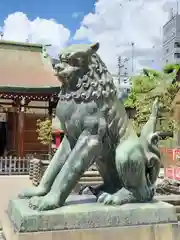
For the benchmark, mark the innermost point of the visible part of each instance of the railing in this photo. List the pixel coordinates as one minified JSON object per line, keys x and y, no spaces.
{"x":21,"y":166}
{"x":14,"y":166}
{"x":38,"y":167}
{"x":42,"y":156}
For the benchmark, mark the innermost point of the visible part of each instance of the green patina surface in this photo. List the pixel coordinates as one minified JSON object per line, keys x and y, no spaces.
{"x":97,"y":130}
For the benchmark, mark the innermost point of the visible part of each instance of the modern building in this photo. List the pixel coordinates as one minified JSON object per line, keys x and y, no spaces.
{"x":171,"y":40}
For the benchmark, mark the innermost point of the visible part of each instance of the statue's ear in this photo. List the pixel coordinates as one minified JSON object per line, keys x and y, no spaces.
{"x":93,"y":48}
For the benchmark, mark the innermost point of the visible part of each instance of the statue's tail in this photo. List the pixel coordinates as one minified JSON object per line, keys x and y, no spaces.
{"x":149,"y":139}
{"x":153,"y":157}
{"x":150,"y":126}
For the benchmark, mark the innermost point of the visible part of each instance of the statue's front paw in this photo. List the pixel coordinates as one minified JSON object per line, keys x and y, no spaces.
{"x":33,"y":191}
{"x":48,"y":202}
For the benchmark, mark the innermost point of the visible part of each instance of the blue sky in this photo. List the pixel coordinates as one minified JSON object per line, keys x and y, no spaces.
{"x":61,"y":11}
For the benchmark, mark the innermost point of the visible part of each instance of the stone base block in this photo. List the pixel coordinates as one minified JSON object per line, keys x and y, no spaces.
{"x":140,"y":232}
{"x":86,"y":220}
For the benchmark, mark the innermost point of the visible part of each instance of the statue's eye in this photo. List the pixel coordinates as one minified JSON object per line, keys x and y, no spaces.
{"x":74,"y":62}
{"x":65,"y":60}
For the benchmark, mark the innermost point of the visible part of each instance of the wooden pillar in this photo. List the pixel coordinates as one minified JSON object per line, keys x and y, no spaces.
{"x":50,"y":110}
{"x":14,"y":127}
{"x":21,"y":116}
{"x":50,"y":114}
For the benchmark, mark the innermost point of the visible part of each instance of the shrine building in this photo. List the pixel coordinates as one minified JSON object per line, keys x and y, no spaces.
{"x":28,"y":91}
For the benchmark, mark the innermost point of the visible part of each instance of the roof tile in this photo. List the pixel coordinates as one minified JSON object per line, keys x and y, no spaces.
{"x":21,"y":67}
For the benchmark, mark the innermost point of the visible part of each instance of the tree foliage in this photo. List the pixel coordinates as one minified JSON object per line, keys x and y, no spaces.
{"x":151,"y":72}
{"x":141,"y":84}
{"x":169,"y":68}
{"x":145,"y":87}
{"x":44,"y":130}
{"x":143,"y":109}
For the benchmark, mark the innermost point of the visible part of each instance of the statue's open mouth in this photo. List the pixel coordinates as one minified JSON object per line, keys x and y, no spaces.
{"x":66,"y":75}
{"x":66,"y":72}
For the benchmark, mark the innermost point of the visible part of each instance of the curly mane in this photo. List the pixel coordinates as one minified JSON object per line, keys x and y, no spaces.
{"x":96,"y":84}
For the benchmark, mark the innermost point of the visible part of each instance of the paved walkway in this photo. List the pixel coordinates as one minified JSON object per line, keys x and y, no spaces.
{"x":10,"y":186}
{"x":1,"y":236}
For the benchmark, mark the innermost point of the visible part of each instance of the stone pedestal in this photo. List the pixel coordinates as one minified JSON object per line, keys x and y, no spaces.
{"x":83,"y":219}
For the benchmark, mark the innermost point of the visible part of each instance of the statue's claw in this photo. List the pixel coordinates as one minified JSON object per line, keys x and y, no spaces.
{"x":48,"y":202}
{"x":33,"y":202}
{"x":102,"y":197}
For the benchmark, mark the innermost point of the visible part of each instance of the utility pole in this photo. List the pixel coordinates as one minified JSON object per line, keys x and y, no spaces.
{"x":121,"y":65}
{"x":119,"y":69}
{"x":1,"y":35}
{"x":177,"y":7}
{"x":132,"y":44}
{"x":125,"y":73}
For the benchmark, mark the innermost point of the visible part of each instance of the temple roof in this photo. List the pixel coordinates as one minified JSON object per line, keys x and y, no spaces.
{"x":26,"y":68}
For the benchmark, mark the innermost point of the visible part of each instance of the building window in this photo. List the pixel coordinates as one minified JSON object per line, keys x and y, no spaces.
{"x":167,"y":50}
{"x":177,"y":44}
{"x":166,"y":61}
{"x":177,"y":55}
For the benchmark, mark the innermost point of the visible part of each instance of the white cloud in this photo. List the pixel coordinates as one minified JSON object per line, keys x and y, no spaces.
{"x":17,"y":27}
{"x":118,"y":23}
{"x":115,"y":24}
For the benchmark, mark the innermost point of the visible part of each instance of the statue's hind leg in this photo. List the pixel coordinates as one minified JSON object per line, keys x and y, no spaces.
{"x":131,"y":169}
{"x":107,"y":170}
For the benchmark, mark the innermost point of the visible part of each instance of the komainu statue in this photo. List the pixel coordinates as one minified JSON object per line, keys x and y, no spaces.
{"x":97,"y":130}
